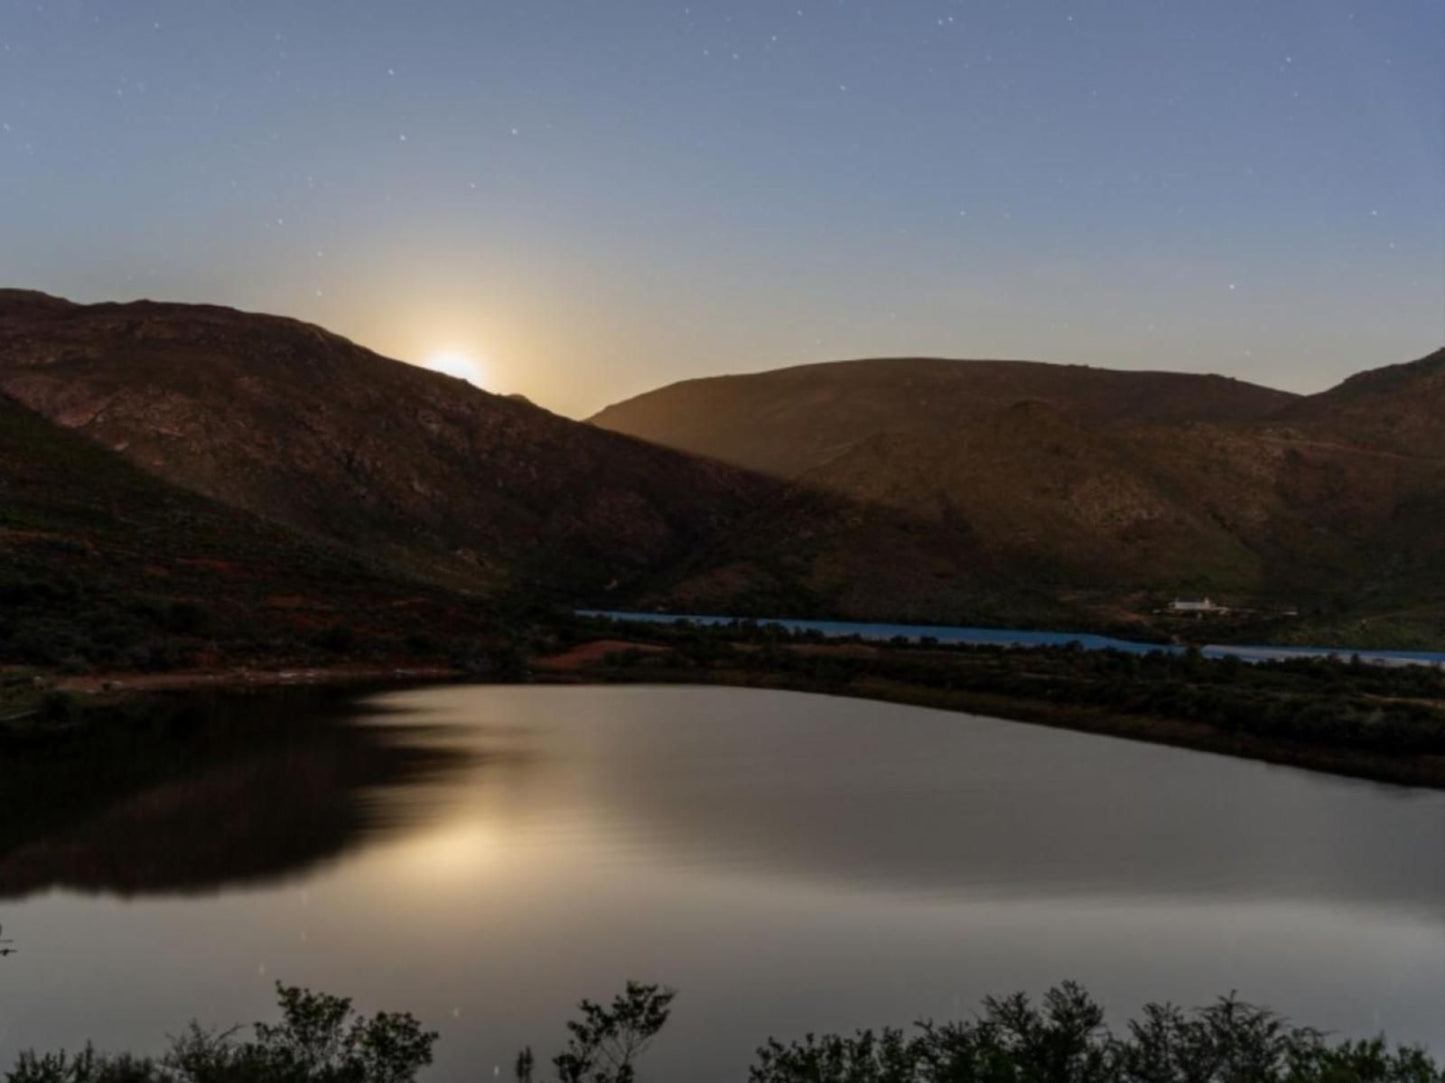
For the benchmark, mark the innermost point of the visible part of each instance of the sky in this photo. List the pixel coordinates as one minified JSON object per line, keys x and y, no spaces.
{"x":579,"y":200}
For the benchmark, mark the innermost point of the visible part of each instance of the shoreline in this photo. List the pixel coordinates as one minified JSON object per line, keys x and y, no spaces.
{"x":46,"y":706}
{"x":245,"y":677}
{"x":988,"y":636}
{"x":585,"y":664}
{"x":1419,"y":771}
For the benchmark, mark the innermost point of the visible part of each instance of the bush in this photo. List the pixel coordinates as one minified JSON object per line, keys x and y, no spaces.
{"x":1063,"y":1040}
{"x":320,"y":1039}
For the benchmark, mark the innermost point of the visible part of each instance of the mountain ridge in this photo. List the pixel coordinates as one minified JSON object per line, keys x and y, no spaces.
{"x":286,"y":420}
{"x":104,"y":564}
{"x":1246,"y":491}
{"x":449,"y":484}
{"x":919,"y":489}
{"x":750,"y":420}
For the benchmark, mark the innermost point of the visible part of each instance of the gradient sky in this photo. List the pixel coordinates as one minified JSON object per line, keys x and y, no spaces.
{"x":597,"y":198}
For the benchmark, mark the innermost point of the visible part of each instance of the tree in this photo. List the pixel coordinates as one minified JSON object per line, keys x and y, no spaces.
{"x":606,"y":1042}
{"x":1065,"y":1041}
{"x":320,"y":1039}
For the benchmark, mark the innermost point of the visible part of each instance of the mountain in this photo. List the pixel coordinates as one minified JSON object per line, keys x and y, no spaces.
{"x":103,"y":564}
{"x":436,"y":481}
{"x":1086,"y":479}
{"x":420,"y":470}
{"x":791,"y":420}
{"x":1399,"y":408}
{"x":1034,"y":460}
{"x":944,"y":491}
{"x":1343,"y":491}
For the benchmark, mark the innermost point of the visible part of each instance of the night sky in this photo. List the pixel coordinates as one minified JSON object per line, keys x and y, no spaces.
{"x":593,"y":198}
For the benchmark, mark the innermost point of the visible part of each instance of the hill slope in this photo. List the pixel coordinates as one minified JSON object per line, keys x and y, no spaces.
{"x":790,"y":420}
{"x":1106,"y":480}
{"x":102,"y":564}
{"x":428,"y":475}
{"x":1399,"y":408}
{"x":941,"y":491}
{"x":427,"y":472}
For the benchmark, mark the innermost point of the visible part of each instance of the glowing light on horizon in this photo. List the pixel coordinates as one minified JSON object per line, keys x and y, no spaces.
{"x":458,"y":363}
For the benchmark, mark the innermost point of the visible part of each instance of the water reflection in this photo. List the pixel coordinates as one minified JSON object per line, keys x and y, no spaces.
{"x":215,"y":793}
{"x":836,"y":791}
{"x":483,"y":856}
{"x":936,"y":803}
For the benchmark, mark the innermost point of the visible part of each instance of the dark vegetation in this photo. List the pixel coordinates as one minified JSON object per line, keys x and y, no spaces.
{"x":322,"y":1039}
{"x":103,"y":566}
{"x":1064,"y":1040}
{"x":1340,"y":715}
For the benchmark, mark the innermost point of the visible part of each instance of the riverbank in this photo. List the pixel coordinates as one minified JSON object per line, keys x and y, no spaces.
{"x":1311,"y":714}
{"x":1339,"y":718}
{"x":36,"y":705}
{"x":1424,"y":771}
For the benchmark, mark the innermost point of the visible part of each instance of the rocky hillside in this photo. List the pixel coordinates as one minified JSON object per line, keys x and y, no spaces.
{"x":441,"y":482}
{"x":1399,"y":408}
{"x":918,"y":489}
{"x":426,"y":472}
{"x":1083,"y":478}
{"x":791,"y":420}
{"x":104,"y":565}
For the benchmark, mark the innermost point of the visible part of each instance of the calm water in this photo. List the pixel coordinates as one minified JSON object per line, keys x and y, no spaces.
{"x":483,"y":856}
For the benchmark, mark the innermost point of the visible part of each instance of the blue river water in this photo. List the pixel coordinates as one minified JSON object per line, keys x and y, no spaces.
{"x":1010,"y":637}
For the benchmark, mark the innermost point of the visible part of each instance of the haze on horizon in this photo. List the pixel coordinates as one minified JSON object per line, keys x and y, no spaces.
{"x":594,"y":200}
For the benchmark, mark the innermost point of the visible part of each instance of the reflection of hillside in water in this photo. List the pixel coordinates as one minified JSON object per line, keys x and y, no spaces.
{"x":862,"y":796}
{"x":215,"y":794}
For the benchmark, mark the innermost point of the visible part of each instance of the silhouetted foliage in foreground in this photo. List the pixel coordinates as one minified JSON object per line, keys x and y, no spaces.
{"x":320,"y":1039}
{"x":1061,"y":1040}
{"x":607,"y":1041}
{"x":1064,"y":1040}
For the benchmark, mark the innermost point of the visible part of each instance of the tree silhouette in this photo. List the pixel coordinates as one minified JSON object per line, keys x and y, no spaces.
{"x":606,"y":1041}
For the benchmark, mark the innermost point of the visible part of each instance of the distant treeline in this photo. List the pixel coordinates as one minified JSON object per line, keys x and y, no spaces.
{"x":1063,"y":1039}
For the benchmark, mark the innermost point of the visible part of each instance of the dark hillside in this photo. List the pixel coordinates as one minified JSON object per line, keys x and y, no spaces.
{"x":102,"y":565}
{"x":1399,"y":408}
{"x":1075,"y":479}
{"x":427,"y":472}
{"x":423,"y":473}
{"x":791,"y":420}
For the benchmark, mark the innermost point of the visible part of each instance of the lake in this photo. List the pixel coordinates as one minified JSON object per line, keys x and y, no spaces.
{"x":483,"y":856}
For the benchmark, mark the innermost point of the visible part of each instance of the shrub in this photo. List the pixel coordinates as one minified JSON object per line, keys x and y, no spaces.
{"x":320,"y":1039}
{"x":1065,"y":1041}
